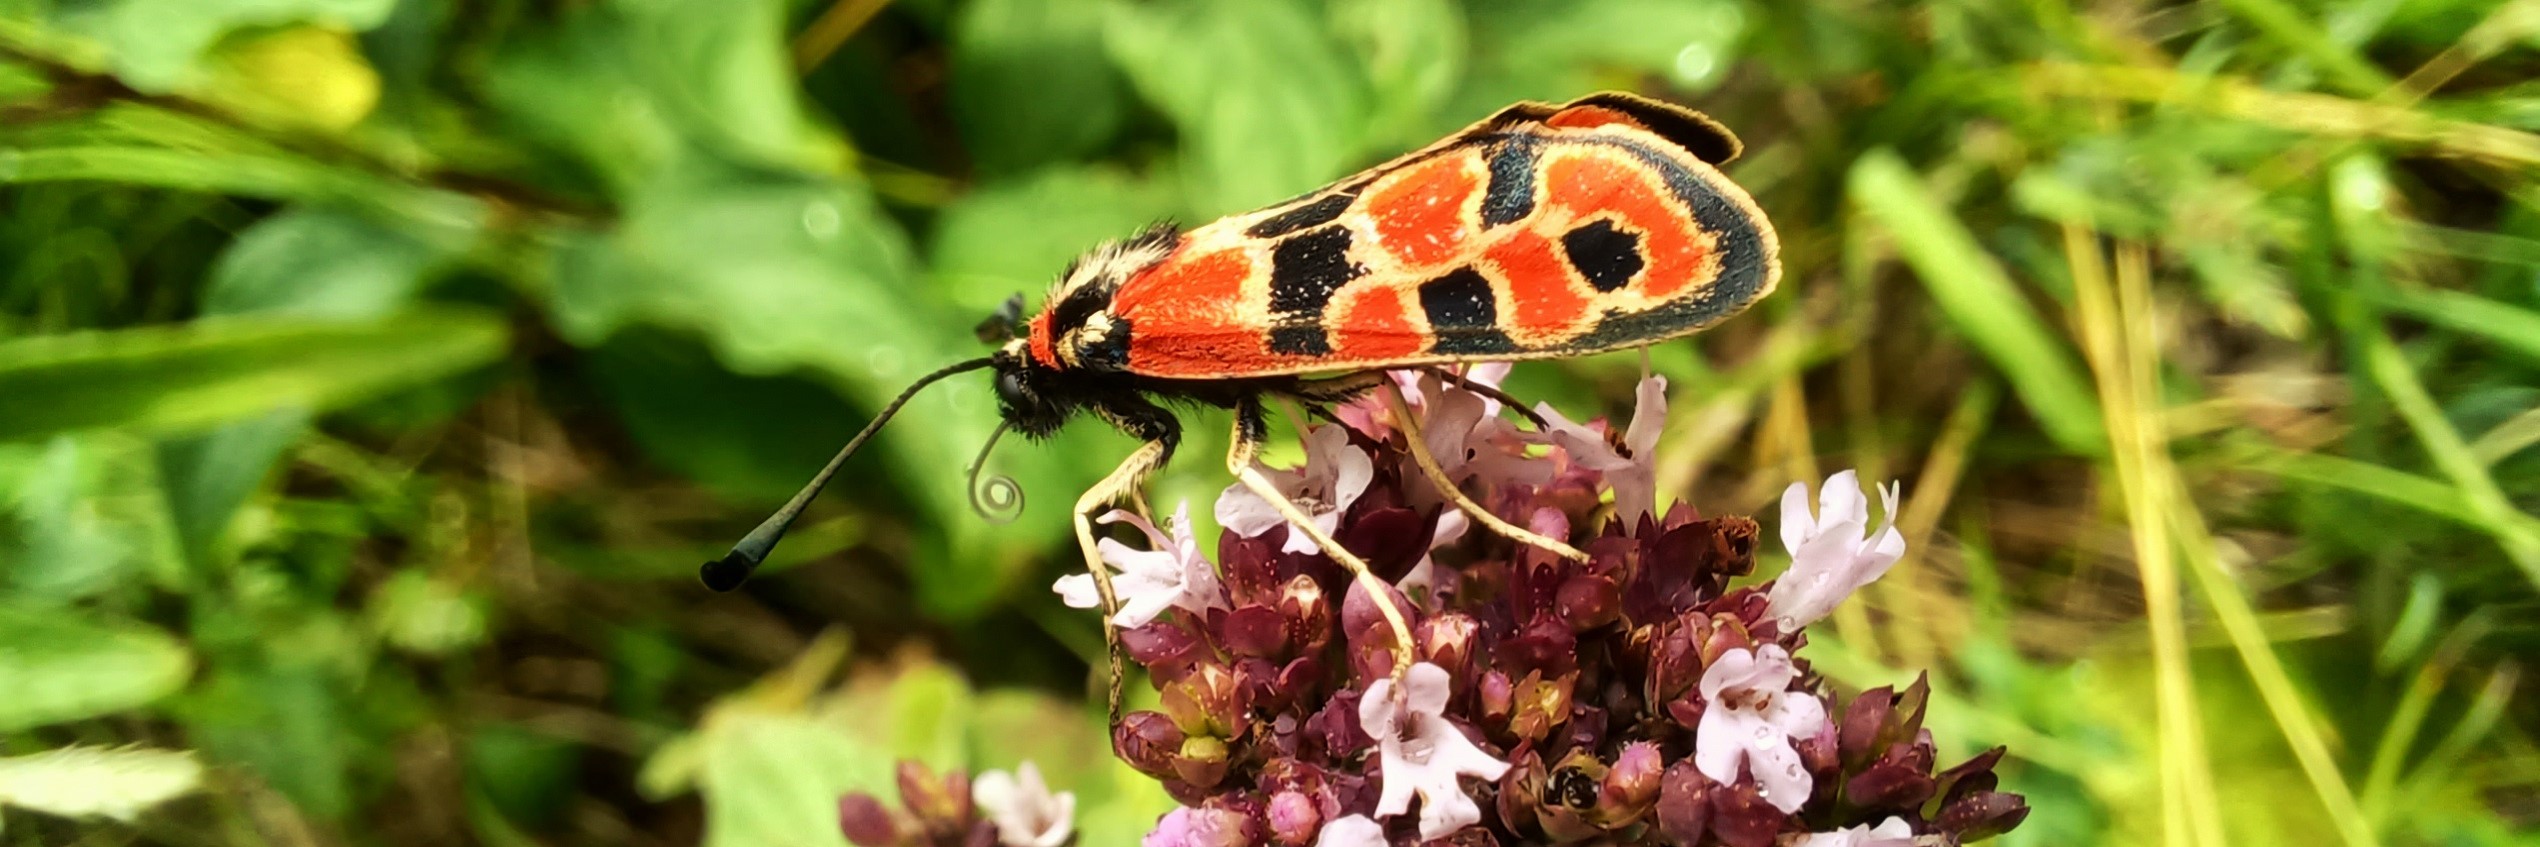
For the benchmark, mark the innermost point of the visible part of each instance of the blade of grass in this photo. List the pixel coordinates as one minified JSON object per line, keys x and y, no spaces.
{"x":2399,"y":734}
{"x":2189,"y":814}
{"x":1978,"y":296}
{"x":1935,"y":486}
{"x":2505,"y":439}
{"x":2285,"y":25}
{"x":2511,"y":327}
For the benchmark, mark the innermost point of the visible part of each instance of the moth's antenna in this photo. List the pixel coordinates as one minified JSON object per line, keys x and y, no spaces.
{"x":1000,"y":499}
{"x":726,"y":573}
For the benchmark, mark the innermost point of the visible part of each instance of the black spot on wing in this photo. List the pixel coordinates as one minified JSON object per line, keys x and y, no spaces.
{"x":1300,"y":340}
{"x":1463,"y":315}
{"x":1305,"y":270}
{"x":1743,"y":264}
{"x":1323,"y":210}
{"x":1511,"y":195}
{"x":1608,"y":256}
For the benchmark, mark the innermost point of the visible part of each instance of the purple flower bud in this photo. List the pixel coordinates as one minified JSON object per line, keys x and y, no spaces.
{"x":1684,"y":804}
{"x":866,"y":822}
{"x":1147,"y":741}
{"x":1820,"y":752}
{"x":1970,"y":777}
{"x":1889,"y":785}
{"x":1727,"y":633}
{"x":1541,"y":705}
{"x":1498,"y":698}
{"x":982,"y":834}
{"x":1982,"y":815}
{"x":1742,"y":817}
{"x":1863,"y":720}
{"x":1294,"y":820}
{"x":1164,"y":648}
{"x":1631,"y":785}
{"x":1521,"y":792}
{"x":942,"y":807}
{"x":1307,"y":613}
{"x":1206,"y":702}
{"x":1589,"y":602}
{"x":1201,"y":761}
{"x":1545,"y":644}
{"x":1256,"y":631}
{"x":1447,"y":641}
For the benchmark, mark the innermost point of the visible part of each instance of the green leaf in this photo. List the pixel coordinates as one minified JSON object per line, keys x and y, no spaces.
{"x":59,"y":665}
{"x":1025,"y":88}
{"x":179,"y":378}
{"x":1414,"y":54}
{"x":86,"y":518}
{"x":1977,"y":295}
{"x":312,"y":261}
{"x":773,"y":780}
{"x":782,"y":275}
{"x":154,"y":43}
{"x":289,"y":725}
{"x":85,"y":782}
{"x":636,"y":88}
{"x":1267,"y":105}
{"x":1010,"y":237}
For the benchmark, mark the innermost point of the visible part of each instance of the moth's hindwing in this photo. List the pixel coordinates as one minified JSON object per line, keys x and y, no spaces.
{"x":1540,"y":232}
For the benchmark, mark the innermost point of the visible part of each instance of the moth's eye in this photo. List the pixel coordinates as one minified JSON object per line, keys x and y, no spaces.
{"x":1010,"y":390}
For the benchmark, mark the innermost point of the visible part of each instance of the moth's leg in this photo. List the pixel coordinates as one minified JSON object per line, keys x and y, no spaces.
{"x":1161,"y":433}
{"x":1337,"y":389}
{"x":1250,"y":429}
{"x":1410,"y":426}
{"x":1506,"y":400}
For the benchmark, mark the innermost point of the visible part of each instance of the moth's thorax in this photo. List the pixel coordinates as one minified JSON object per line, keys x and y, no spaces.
{"x":1077,"y":328}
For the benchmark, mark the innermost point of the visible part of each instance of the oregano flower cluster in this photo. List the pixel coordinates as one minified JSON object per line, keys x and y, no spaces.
{"x":1631,"y":698}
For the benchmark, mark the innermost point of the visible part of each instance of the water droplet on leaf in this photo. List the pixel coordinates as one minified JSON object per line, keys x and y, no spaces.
{"x":821,"y":220}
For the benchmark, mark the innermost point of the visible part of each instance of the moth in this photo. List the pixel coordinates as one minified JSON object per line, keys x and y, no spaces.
{"x":1542,"y":231}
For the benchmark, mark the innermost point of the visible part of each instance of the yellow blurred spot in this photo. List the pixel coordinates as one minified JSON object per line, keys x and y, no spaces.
{"x":309,"y":76}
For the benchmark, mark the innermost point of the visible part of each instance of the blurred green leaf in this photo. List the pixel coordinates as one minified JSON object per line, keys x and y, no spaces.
{"x":773,"y":780}
{"x":243,"y":174}
{"x":1414,"y":54}
{"x":2513,"y":328}
{"x":155,"y":42}
{"x":782,"y":274}
{"x":180,"y":378}
{"x":1973,"y":290}
{"x":1026,"y":87}
{"x":1010,"y":237}
{"x":1266,"y":103}
{"x":311,"y":261}
{"x":86,"y":519}
{"x":527,"y":774}
{"x":636,"y":87}
{"x":288,"y":724}
{"x":59,"y":665}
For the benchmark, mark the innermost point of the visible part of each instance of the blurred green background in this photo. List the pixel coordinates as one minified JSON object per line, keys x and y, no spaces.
{"x":373,"y":374}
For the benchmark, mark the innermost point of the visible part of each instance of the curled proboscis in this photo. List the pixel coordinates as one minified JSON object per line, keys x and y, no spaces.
{"x":997,"y":498}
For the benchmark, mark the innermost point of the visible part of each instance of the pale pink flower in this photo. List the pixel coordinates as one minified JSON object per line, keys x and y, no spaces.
{"x":1024,"y":810}
{"x":1189,"y":827}
{"x":1751,"y":718}
{"x":1171,"y":575}
{"x":1335,"y":474}
{"x":1829,"y":556}
{"x":1422,"y":752}
{"x":1352,"y":831}
{"x":1632,"y":471}
{"x":1893,"y":832}
{"x":1372,"y":414}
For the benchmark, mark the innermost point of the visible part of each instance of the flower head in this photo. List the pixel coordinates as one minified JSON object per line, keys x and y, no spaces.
{"x":1423,"y":752}
{"x":1171,"y":575}
{"x":1829,"y":556}
{"x":1334,"y":476}
{"x":1352,"y":831}
{"x":1630,"y":468}
{"x":1752,"y":718}
{"x":1893,"y":832}
{"x":1025,"y":812}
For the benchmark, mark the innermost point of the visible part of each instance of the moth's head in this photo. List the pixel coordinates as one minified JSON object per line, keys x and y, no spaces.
{"x":1101,"y":270}
{"x":1025,"y":395}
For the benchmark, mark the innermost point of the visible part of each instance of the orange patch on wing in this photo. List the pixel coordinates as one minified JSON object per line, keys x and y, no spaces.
{"x":1372,"y":324}
{"x":1546,"y":306}
{"x":1670,"y":241}
{"x":1421,"y":212}
{"x":1586,"y":117}
{"x":1186,"y":317}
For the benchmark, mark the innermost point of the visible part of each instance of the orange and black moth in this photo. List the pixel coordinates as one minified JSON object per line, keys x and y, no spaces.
{"x":1545,"y":230}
